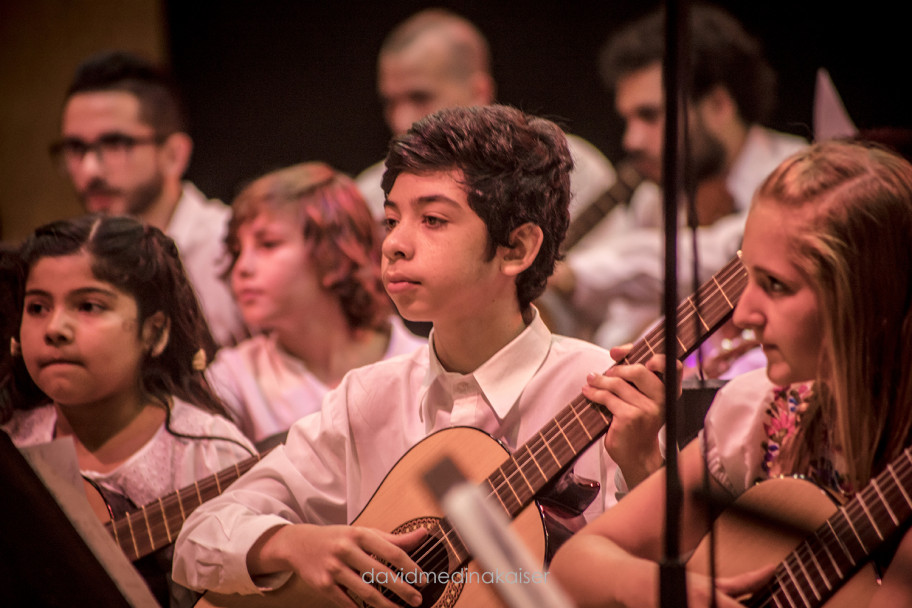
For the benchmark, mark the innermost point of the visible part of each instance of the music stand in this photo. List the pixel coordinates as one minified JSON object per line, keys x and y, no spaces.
{"x":44,"y":559}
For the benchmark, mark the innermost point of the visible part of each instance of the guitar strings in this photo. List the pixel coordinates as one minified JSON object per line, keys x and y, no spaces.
{"x":161,"y":521}
{"x":841,"y":527}
{"x":828,"y":544}
{"x":733,"y":276}
{"x":732,"y":273}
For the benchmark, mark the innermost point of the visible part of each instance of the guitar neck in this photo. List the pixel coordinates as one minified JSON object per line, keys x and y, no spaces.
{"x":551,"y":451}
{"x":158,"y":523}
{"x":816,"y":569}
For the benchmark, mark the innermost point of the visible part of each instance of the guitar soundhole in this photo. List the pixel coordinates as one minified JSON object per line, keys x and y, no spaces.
{"x":443,"y":584}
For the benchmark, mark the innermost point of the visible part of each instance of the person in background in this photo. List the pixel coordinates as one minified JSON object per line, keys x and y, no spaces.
{"x":306,"y":274}
{"x":829,"y":295}
{"x":613,"y":278}
{"x":124,"y":147}
{"x":108,"y":351}
{"x":437,"y":59}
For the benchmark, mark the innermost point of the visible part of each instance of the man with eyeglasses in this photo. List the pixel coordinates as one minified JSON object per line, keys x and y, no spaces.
{"x":125,"y":148}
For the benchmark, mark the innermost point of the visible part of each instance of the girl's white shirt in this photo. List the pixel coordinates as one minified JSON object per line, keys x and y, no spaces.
{"x":166,"y":462}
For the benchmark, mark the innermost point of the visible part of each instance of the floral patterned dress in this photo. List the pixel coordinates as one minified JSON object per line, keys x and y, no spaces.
{"x":785,"y":412}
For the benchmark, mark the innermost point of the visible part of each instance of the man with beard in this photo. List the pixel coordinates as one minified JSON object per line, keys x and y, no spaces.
{"x":125,"y":148}
{"x":614,"y":276}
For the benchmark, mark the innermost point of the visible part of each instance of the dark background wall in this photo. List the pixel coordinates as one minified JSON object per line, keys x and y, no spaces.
{"x":271,"y":83}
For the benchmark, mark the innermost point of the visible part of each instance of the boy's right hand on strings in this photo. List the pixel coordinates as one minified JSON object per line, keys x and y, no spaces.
{"x":332,"y":559}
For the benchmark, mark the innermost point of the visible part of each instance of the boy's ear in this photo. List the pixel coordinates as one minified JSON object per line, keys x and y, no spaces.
{"x":525,"y":241}
{"x":155,"y":333}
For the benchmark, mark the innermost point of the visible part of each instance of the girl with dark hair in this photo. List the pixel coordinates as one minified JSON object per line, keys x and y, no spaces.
{"x":109,"y":351}
{"x":306,"y":275}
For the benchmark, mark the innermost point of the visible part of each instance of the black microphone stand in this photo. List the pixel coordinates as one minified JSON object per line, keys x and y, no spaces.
{"x":672,"y":581}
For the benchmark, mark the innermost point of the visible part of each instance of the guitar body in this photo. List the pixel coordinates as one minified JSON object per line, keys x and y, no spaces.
{"x":745,"y":541}
{"x":403,"y":503}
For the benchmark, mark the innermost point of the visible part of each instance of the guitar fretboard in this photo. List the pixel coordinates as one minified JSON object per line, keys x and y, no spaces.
{"x":548,"y":453}
{"x":814,"y":571}
{"x":157,"y":524}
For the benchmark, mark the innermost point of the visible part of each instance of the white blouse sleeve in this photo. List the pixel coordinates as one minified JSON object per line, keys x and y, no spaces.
{"x":733,"y":433}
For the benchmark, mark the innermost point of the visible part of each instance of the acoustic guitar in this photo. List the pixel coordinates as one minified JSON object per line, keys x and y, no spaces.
{"x":823,"y":550}
{"x":512,"y":480}
{"x":141,"y":532}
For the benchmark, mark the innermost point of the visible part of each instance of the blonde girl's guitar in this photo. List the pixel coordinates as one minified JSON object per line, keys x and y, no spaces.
{"x":514,"y":481}
{"x":823,"y":550}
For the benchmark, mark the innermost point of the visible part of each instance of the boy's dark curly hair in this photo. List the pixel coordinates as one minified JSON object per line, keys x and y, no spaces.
{"x":514,"y":167}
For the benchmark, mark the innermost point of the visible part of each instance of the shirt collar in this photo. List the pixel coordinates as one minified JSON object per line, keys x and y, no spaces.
{"x":504,"y":376}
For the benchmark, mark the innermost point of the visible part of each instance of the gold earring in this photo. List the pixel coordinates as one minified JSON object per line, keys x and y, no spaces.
{"x":15,"y":350}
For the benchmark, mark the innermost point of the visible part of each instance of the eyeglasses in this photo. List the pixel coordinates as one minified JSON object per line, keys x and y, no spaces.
{"x":111,"y":148}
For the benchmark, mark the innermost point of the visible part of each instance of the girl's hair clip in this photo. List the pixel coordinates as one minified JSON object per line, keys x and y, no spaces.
{"x":199,"y":360}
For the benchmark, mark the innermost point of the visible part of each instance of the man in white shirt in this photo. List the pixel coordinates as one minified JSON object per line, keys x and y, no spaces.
{"x":613,"y":278}
{"x":123,"y":145}
{"x":463,"y":255}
